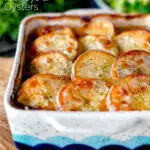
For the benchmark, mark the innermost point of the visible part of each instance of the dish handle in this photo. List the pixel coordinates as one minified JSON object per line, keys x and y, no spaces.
{"x":103,"y":126}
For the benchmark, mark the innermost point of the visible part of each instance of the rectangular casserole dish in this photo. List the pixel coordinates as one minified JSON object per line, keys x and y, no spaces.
{"x":95,"y":129}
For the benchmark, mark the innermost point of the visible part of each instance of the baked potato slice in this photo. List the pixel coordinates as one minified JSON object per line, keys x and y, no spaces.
{"x":92,"y":42}
{"x":40,"y":91}
{"x":133,"y":40}
{"x":54,"y":29}
{"x":132,"y":62}
{"x":130,"y":93}
{"x":93,"y":64}
{"x":102,"y":28}
{"x":83,"y":95}
{"x":51,"y":63}
{"x":66,"y":44}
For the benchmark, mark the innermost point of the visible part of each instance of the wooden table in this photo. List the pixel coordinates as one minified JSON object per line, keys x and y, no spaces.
{"x":6,"y":142}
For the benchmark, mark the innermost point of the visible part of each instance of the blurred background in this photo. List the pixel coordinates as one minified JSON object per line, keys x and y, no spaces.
{"x":13,"y":11}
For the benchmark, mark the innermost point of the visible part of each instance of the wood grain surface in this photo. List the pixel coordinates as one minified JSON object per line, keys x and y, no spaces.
{"x":6,"y":142}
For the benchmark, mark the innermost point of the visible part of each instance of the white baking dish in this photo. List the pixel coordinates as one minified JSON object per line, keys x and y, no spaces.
{"x":95,"y":129}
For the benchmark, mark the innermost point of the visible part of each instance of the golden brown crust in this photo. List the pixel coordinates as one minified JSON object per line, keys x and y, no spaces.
{"x":130,"y":93}
{"x":66,"y":44}
{"x":54,"y":29}
{"x":95,"y":42}
{"x":133,"y":40}
{"x":53,"y":62}
{"x":93,"y":64}
{"x":40,"y":91}
{"x":83,"y":95}
{"x":132,"y":62}
{"x":101,"y":28}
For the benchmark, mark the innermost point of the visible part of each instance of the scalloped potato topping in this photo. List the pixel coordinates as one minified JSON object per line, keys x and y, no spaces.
{"x":60,"y":42}
{"x":40,"y":91}
{"x":108,"y":72}
{"x":130,"y":93}
{"x":133,"y":40}
{"x":94,"y":64}
{"x":83,"y":95}
{"x":51,"y":63}
{"x":101,"y":28}
{"x":93,"y":42}
{"x":132,"y":62}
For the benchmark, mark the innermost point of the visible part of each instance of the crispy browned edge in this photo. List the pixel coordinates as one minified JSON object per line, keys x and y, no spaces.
{"x":84,"y":19}
{"x":89,"y":17}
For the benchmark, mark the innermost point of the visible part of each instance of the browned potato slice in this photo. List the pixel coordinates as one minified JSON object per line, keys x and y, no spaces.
{"x":92,"y":42}
{"x":55,"y":29}
{"x":93,"y":64}
{"x":132,"y":62}
{"x":103,"y":28}
{"x":133,"y":40}
{"x":130,"y":93}
{"x":40,"y":91}
{"x":51,"y":63}
{"x":66,"y":44}
{"x":83,"y":95}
